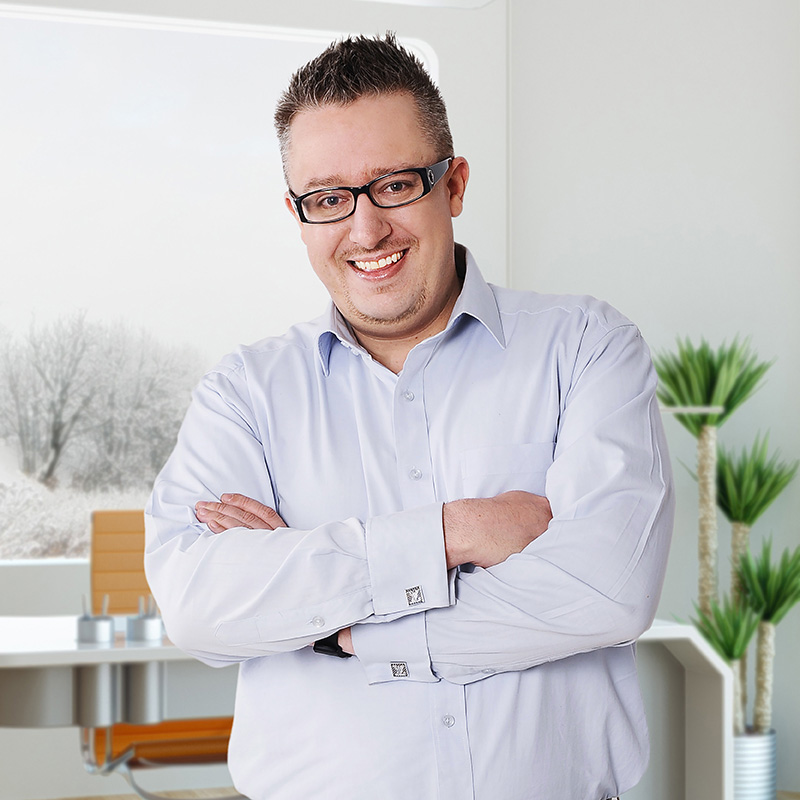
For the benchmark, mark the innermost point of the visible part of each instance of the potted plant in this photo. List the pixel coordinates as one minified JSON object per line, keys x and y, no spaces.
{"x":704,"y":387}
{"x":747,"y":486}
{"x":770,"y":590}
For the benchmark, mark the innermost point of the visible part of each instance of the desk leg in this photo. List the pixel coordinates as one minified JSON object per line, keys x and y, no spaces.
{"x":97,"y":700}
{"x":144,"y":692}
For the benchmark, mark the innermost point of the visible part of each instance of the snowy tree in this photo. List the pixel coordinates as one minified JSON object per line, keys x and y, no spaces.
{"x":47,"y":392}
{"x":92,"y":404}
{"x":143,"y":388}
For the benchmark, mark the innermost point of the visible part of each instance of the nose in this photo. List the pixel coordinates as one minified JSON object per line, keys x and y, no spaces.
{"x":368,"y":224}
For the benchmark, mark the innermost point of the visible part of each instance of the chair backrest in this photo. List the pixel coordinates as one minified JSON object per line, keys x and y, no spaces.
{"x":117,"y":566}
{"x":117,"y":570}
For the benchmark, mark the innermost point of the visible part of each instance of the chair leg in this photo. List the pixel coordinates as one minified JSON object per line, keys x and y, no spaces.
{"x":120,"y":764}
{"x":127,"y":773}
{"x":89,"y":756}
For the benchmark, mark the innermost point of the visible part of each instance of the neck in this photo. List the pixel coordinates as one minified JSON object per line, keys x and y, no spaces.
{"x":392,"y":353}
{"x":393,"y":349}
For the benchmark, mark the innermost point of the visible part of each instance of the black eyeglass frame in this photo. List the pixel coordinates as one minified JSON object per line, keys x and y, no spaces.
{"x":430,"y":177}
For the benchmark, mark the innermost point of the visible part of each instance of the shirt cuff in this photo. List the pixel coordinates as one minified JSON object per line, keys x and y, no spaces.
{"x":394,"y":651}
{"x":407,"y":565}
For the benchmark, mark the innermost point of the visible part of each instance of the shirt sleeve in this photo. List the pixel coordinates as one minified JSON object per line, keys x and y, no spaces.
{"x":593,"y":579}
{"x":244,"y":593}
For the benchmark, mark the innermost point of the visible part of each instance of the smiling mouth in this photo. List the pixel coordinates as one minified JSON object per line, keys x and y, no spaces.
{"x":381,"y":263}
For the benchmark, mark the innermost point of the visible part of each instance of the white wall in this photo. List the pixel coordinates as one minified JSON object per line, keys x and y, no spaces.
{"x":655,"y":163}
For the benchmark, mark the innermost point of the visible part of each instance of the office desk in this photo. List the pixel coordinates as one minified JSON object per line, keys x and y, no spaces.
{"x":48,"y":679}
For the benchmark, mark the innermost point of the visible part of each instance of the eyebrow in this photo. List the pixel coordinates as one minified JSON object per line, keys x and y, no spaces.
{"x":336,"y":180}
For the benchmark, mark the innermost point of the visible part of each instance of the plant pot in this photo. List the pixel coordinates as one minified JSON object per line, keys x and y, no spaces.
{"x":755,"y":766}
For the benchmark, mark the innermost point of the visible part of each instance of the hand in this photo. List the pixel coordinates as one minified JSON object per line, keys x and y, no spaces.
{"x":486,"y":532}
{"x":346,"y":641}
{"x":237,"y":511}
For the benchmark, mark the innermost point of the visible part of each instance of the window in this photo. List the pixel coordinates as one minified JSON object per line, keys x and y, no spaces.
{"x":144,"y":237}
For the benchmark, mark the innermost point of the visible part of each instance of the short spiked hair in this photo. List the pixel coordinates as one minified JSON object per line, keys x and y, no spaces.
{"x":362,"y":66}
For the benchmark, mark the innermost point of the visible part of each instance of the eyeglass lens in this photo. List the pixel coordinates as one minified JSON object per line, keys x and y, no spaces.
{"x":393,"y":190}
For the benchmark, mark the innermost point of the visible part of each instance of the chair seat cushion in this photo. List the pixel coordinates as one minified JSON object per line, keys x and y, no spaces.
{"x":185,"y":741}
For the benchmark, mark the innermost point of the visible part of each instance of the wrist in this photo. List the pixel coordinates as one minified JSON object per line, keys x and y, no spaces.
{"x":457,"y":530}
{"x":345,"y":641}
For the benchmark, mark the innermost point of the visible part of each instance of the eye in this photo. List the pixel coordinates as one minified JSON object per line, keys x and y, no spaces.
{"x":328,"y":204}
{"x":397,"y":187}
{"x":328,"y":200}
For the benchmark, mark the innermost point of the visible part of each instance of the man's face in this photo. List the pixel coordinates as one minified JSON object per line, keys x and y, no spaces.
{"x":411,"y":297}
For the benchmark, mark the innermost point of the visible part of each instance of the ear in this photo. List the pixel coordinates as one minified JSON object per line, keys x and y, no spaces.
{"x":457,"y":184}
{"x":287,"y":199}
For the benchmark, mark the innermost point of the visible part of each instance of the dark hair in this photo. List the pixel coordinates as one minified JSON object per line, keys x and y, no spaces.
{"x":361,"y":66}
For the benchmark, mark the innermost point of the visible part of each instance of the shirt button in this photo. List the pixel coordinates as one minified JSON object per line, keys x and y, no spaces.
{"x":317,"y":622}
{"x":408,"y":395}
{"x":488,"y":671}
{"x":415,"y":474}
{"x":448,"y":720}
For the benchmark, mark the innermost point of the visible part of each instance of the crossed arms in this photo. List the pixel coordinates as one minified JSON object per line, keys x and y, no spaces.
{"x":480,"y":531}
{"x":229,"y":593}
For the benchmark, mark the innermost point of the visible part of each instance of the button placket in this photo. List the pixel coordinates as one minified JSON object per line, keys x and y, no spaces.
{"x":412,"y":442}
{"x":451,"y":740}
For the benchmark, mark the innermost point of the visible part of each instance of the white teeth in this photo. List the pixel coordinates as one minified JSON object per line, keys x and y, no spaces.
{"x":369,"y":266}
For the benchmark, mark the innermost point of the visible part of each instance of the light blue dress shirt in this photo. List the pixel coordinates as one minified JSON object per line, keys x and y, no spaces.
{"x":516,"y":682}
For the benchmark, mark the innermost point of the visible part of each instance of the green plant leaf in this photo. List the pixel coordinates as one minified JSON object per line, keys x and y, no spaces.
{"x":771,"y":589}
{"x":749,"y":484}
{"x":700,"y":376}
{"x":728,"y":628}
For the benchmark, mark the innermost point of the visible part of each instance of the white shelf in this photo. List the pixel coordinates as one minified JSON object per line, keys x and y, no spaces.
{"x":708,"y":710}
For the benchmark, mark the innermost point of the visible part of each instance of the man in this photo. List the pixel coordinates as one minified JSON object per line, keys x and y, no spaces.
{"x":466,"y":487}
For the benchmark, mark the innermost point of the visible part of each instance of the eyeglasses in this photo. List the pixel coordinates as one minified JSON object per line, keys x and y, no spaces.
{"x":394,"y":190}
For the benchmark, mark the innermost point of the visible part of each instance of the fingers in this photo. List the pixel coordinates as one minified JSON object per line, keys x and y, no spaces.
{"x":237,"y":511}
{"x":252,"y":507}
{"x":216,"y":520}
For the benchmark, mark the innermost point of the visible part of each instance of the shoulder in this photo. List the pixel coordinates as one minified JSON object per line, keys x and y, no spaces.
{"x":563,"y":316}
{"x":558,"y":307}
{"x":293,"y":352}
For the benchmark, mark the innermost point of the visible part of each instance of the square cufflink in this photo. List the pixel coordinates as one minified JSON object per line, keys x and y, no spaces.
{"x":399,"y":669}
{"x":414,"y":596}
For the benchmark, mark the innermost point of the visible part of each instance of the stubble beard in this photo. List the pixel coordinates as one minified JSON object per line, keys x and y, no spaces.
{"x":358,"y":318}
{"x":355,"y":315}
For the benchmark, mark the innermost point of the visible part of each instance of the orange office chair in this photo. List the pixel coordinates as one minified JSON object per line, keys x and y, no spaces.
{"x":117,"y":573}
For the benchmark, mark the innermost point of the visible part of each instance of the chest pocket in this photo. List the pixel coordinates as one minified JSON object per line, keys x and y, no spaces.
{"x":489,"y":471}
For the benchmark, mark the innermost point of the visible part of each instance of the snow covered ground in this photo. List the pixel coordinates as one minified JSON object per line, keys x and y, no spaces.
{"x":36,"y":522}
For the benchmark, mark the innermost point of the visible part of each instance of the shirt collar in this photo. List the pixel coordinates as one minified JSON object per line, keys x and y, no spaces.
{"x":335,"y":328}
{"x":476,"y":300}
